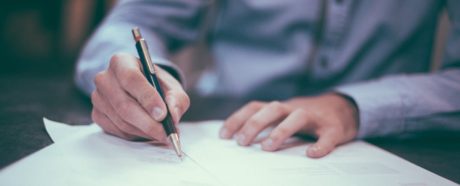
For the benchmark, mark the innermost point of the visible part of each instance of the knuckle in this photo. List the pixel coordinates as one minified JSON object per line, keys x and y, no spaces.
{"x":255,"y":123}
{"x":254,"y":104}
{"x":178,"y":99}
{"x":276,"y":107}
{"x":301,"y":112}
{"x":99,"y":79}
{"x":93,"y":95}
{"x":129,"y":76}
{"x":275,"y":104}
{"x":186,"y":99}
{"x":306,"y":117}
{"x":94,"y":98}
{"x":116,"y":59}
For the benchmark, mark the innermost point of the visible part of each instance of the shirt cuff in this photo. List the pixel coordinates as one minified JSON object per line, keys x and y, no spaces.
{"x":171,"y":68}
{"x":381,"y":108}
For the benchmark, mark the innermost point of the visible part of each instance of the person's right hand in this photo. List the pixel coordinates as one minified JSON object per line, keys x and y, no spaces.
{"x":127,"y":106}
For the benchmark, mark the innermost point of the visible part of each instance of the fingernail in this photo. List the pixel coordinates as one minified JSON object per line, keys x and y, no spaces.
{"x":157,"y":113}
{"x":223,"y":133}
{"x":313,"y":151}
{"x":240,"y":138}
{"x":267,"y":144}
{"x":314,"y":148}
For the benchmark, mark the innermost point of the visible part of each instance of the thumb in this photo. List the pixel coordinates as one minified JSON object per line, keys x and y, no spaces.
{"x":325,"y":144}
{"x":178,"y":103}
{"x":176,"y":98}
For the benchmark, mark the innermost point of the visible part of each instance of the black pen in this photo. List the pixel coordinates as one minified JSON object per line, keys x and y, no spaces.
{"x":150,"y":74}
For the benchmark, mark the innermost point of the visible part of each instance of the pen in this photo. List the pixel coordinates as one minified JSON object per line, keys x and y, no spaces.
{"x":150,"y":73}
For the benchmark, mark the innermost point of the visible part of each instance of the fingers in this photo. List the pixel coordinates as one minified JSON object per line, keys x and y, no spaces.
{"x":176,"y":98}
{"x":268,"y":115}
{"x":127,"y":70}
{"x":249,"y":121}
{"x":178,"y":103}
{"x":132,"y":104}
{"x":104,"y":107}
{"x":296,"y":121}
{"x":127,"y":107}
{"x":300,"y":120}
{"x":327,"y":141}
{"x":236,"y":120}
{"x":320,"y":116}
{"x":106,"y":124}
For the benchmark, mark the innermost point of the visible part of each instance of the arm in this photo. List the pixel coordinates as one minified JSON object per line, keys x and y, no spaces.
{"x":410,"y":103}
{"x":390,"y":105}
{"x":124,"y":103}
{"x":166,"y":25}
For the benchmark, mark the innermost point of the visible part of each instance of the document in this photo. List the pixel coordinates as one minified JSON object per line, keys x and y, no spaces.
{"x":84,"y":155}
{"x":90,"y":157}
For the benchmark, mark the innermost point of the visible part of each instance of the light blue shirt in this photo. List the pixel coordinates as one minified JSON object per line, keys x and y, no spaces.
{"x":378,"y":52}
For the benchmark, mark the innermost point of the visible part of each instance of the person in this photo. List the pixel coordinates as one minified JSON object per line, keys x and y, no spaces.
{"x":336,"y":70}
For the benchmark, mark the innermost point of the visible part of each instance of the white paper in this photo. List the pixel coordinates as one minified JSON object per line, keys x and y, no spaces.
{"x":356,"y":163}
{"x":60,"y":131}
{"x":87,"y":156}
{"x":90,"y":157}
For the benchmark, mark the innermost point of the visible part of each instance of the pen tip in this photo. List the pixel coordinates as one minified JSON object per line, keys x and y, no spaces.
{"x":176,"y":144}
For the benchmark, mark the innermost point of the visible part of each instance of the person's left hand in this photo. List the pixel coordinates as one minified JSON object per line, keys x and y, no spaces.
{"x":330,"y":117}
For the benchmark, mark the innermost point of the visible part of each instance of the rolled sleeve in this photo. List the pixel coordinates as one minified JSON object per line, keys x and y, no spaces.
{"x":406,"y":103}
{"x":381,"y":109}
{"x":166,"y":26}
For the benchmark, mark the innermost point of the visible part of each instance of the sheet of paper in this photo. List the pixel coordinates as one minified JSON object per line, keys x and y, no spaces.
{"x":90,"y":157}
{"x":86,"y":156}
{"x":356,"y":163}
{"x":60,"y":131}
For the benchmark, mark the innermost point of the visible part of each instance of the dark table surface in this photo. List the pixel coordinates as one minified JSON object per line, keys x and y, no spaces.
{"x":24,"y":101}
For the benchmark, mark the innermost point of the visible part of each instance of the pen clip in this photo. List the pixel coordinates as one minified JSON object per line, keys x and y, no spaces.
{"x":148,"y":59}
{"x":142,"y":45}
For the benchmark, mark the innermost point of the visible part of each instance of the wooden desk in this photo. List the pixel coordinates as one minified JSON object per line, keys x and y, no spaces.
{"x":25,"y":100}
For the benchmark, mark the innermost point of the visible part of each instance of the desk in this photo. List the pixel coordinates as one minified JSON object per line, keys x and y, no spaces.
{"x":25,"y":100}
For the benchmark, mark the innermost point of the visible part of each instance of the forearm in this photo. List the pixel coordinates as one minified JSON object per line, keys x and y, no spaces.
{"x":407,"y":103}
{"x":164,"y":24}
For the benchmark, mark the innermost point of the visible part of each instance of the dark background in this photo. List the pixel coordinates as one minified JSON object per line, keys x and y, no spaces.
{"x":43,"y":38}
{"x":39,"y":45}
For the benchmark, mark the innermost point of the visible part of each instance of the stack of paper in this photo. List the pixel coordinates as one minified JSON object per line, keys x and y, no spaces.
{"x":87,"y":156}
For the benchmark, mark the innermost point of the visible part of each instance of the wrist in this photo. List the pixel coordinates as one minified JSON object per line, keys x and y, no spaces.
{"x":350,"y":107}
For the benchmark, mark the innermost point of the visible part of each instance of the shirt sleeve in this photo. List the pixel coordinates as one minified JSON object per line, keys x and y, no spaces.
{"x":411,"y":103}
{"x":166,"y":25}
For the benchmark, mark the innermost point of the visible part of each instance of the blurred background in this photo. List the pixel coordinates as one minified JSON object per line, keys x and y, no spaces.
{"x":40,"y":44}
{"x":40,"y":38}
{"x":44,"y":39}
